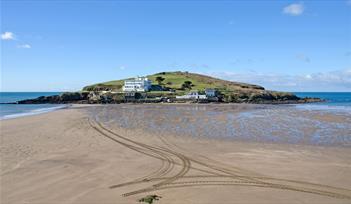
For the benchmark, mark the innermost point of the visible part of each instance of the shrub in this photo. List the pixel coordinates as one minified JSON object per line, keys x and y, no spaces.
{"x":150,"y":199}
{"x":159,"y":80}
{"x":187,"y":85}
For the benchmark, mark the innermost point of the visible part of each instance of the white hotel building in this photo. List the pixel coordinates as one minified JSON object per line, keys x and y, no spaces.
{"x":138,"y":84}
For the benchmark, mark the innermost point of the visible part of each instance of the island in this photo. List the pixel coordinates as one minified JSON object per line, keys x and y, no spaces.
{"x":172,"y":87}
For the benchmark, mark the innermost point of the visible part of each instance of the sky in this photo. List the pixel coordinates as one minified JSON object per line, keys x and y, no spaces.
{"x":282,"y":45}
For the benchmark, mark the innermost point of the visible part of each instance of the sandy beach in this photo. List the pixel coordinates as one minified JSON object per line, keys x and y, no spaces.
{"x":80,"y":155}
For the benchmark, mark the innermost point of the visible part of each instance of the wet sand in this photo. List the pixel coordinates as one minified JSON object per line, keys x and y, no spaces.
{"x":239,"y":122}
{"x":84,"y":155}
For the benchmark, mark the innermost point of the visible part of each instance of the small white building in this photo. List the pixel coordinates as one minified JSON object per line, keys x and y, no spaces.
{"x":138,"y":84}
{"x":192,"y":95}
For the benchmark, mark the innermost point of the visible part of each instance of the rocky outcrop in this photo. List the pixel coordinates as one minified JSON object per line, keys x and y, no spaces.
{"x":77,"y":97}
{"x":310,"y":100}
{"x":96,"y":97}
{"x":271,"y":97}
{"x":67,"y":97}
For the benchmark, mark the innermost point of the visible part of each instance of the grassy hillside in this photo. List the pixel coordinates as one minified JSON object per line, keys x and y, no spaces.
{"x":229,"y":91}
{"x":174,"y":80}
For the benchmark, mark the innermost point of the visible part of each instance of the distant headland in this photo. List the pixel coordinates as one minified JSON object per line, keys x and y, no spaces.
{"x":172,"y":87}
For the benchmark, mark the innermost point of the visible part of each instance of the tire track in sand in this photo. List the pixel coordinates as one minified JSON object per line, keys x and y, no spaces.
{"x":185,"y":164}
{"x":167,"y":163}
{"x":149,"y":151}
{"x":253,"y":175}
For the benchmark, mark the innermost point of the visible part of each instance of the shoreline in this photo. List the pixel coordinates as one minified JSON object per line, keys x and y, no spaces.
{"x":317,"y":105}
{"x":34,"y":111}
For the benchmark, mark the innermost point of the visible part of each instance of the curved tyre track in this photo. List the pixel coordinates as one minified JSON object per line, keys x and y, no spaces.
{"x":163,"y":154}
{"x":166,"y":175}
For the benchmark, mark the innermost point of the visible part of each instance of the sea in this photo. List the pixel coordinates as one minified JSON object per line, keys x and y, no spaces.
{"x":8,"y":111}
{"x":334,"y":101}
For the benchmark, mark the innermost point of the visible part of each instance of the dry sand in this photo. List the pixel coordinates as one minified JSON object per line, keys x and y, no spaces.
{"x":67,"y":156}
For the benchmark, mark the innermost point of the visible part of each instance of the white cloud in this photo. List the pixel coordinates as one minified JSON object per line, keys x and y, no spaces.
{"x":308,"y":76}
{"x":11,"y":36}
{"x":339,"y":80}
{"x":7,"y":36}
{"x":26,"y":46}
{"x":294,"y":9}
{"x":122,"y":67}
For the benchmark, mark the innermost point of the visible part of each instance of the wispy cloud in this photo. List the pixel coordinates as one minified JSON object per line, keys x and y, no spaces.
{"x":294,"y":9}
{"x":122,"y":67}
{"x":339,"y":80}
{"x":11,"y":36}
{"x":348,"y":2}
{"x":7,"y":36}
{"x":25,"y":46}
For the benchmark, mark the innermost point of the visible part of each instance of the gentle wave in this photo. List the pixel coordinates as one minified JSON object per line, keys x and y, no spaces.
{"x":32,"y":112}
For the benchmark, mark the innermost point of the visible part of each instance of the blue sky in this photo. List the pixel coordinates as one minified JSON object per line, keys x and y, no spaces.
{"x":282,"y":45}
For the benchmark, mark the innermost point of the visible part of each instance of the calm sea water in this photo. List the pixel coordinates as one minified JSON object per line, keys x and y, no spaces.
{"x":335,"y":102}
{"x":332,"y":98}
{"x":19,"y":110}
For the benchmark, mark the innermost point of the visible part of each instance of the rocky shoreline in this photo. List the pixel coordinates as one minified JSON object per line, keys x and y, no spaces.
{"x":113,"y":98}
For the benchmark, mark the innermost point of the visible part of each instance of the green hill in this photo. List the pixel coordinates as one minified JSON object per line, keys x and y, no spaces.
{"x":230,"y":91}
{"x":174,"y":80}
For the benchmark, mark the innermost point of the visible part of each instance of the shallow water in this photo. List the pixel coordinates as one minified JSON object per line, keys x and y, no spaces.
{"x":19,"y":110}
{"x":262,"y":123}
{"x":8,"y":111}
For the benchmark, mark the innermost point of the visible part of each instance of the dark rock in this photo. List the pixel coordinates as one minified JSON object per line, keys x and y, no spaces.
{"x":71,"y":96}
{"x":310,"y":100}
{"x":67,"y":97}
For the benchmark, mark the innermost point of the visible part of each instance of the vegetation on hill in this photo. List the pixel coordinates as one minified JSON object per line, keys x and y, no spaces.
{"x":175,"y":80}
{"x":170,"y":84}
